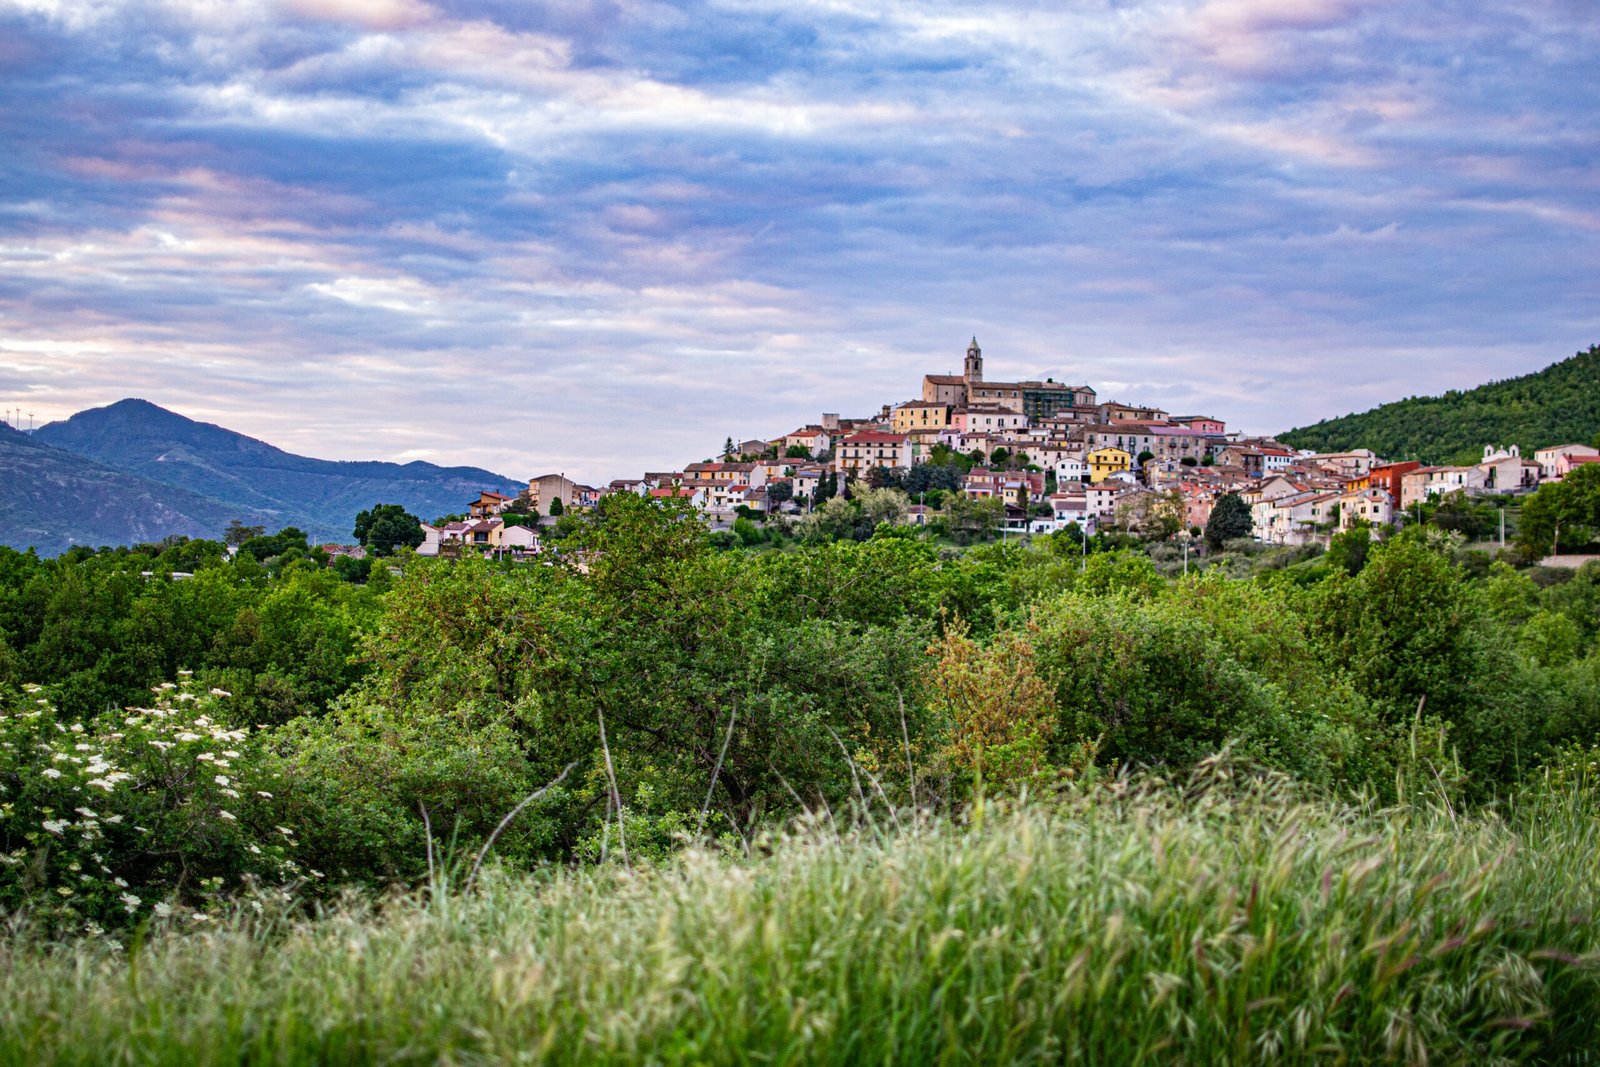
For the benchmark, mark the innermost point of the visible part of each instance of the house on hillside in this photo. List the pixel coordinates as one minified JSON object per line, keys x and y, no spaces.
{"x":1104,"y":462}
{"x":860,"y":452}
{"x":1548,"y":457}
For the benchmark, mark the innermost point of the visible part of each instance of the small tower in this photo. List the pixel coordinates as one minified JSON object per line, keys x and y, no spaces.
{"x":973,"y":369}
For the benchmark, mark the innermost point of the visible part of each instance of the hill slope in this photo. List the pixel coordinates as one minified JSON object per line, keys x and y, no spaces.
{"x":320,"y":496}
{"x":1558,"y":405}
{"x":51,"y":499}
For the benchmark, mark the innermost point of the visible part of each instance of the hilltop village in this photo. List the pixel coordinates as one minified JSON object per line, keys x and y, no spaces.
{"x":1028,"y":457}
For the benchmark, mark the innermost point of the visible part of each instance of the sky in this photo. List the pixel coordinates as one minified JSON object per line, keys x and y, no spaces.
{"x":600,"y":236}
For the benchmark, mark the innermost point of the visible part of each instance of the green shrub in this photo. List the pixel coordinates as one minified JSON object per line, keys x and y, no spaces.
{"x":106,"y":821}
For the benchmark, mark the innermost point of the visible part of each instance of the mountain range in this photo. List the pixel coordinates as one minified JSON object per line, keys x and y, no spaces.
{"x":1555,"y":406}
{"x":134,"y":472}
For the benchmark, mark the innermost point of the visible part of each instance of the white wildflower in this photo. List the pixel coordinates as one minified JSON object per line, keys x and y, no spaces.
{"x":234,"y":793}
{"x":263,"y":793}
{"x":227,"y":815}
{"x":163,"y":910}
{"x":130,"y":903}
{"x":220,"y":692}
{"x":87,"y":813}
{"x":50,"y":772}
{"x":76,"y":727}
{"x":221,"y":779}
{"x":188,"y":736}
{"x":162,"y":745}
{"x":186,"y":674}
{"x":255,"y":850}
{"x":55,"y":826}
{"x":120,"y":883}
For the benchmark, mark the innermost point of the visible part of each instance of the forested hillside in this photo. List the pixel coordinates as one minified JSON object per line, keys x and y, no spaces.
{"x":52,"y":499}
{"x":319,"y":496}
{"x":1558,"y":405}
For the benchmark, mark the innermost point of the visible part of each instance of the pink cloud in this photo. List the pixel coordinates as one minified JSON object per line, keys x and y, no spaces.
{"x":369,"y":14}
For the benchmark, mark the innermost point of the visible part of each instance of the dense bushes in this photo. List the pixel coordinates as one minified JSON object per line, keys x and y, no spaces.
{"x":688,"y":688}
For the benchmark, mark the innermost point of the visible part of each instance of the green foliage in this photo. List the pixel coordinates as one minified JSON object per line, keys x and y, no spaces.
{"x":238,"y":533}
{"x":101,"y":633}
{"x":1561,"y":513}
{"x":1348,"y":550}
{"x":277,"y":546}
{"x":1398,"y":628}
{"x":1556,"y":405}
{"x":132,"y":813}
{"x":1230,"y":520}
{"x":1214,"y":921}
{"x":1151,"y":685}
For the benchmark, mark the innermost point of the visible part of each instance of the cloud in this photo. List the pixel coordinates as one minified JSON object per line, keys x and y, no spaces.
{"x":630,"y":229}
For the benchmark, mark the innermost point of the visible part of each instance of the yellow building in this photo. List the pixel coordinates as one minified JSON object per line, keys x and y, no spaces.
{"x":1104,"y":462}
{"x":921,"y":415}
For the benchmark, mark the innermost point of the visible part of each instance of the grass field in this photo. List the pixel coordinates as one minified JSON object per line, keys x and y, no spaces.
{"x":1212,"y":923}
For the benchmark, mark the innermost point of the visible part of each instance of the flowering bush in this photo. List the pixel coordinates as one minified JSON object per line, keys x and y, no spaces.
{"x":158,"y":810}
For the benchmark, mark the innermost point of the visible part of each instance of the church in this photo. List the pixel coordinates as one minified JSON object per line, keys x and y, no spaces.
{"x":1033,"y":400}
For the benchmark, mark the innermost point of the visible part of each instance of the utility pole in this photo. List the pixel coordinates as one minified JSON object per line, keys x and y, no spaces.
{"x":1502,"y":526}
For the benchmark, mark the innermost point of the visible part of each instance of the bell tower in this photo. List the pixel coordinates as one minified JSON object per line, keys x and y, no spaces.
{"x":972,"y":371}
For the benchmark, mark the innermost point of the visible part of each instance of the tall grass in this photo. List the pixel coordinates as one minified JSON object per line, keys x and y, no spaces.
{"x":1137,"y":924}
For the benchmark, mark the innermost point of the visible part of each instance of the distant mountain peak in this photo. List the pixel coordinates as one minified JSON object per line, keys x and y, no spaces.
{"x":320,"y":496}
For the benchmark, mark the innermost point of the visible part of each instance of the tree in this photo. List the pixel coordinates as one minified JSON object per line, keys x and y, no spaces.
{"x":797,"y":452}
{"x":727,"y":447}
{"x":556,"y":508}
{"x":1561,"y":512}
{"x":999,"y":456}
{"x":1348,"y":550}
{"x":1153,"y":516}
{"x":1457,"y":512}
{"x":884,"y":506}
{"x":1146,"y":456}
{"x":1230,"y":519}
{"x":387,"y":527}
{"x":238,"y":533}
{"x":780,"y":493}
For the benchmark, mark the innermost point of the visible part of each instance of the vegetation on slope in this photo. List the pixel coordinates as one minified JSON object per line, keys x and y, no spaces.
{"x":53,"y":499}
{"x":684,"y":688}
{"x":1558,"y":405}
{"x":252,"y":477}
{"x":658,"y":718}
